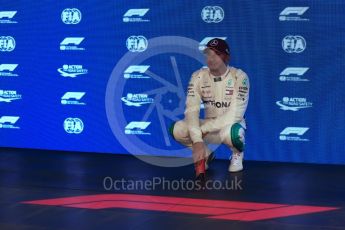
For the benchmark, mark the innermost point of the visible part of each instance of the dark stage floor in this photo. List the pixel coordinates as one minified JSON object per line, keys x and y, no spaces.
{"x":58,"y":190}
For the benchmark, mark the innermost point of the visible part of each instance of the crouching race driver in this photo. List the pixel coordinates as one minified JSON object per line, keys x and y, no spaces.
{"x":224,"y":92}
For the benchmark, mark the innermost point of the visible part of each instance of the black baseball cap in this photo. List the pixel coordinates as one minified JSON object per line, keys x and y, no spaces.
{"x":218,"y":45}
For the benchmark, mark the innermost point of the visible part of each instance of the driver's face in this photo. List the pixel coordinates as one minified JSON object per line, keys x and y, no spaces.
{"x":213,"y":60}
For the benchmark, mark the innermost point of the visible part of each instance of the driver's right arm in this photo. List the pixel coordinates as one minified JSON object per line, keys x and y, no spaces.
{"x":192,"y":111}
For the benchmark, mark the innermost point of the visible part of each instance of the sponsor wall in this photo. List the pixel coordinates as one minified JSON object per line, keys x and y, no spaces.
{"x":111,"y":76}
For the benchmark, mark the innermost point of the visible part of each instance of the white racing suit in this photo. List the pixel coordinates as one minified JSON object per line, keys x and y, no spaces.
{"x":225,"y":100}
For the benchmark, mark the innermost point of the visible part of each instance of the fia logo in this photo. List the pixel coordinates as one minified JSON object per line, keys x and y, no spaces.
{"x":71,"y":16}
{"x":7,"y":44}
{"x":73,"y":125}
{"x":136,"y":43}
{"x":212,"y":14}
{"x":294,"y":44}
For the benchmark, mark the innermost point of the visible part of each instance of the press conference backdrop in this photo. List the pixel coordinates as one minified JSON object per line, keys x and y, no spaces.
{"x":111,"y":76}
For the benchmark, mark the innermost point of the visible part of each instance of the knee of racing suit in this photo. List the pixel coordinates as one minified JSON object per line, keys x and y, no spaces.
{"x":179,"y":131}
{"x":234,"y":137}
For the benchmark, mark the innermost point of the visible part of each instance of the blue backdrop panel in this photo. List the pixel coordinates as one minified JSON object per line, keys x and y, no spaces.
{"x":111,"y":76}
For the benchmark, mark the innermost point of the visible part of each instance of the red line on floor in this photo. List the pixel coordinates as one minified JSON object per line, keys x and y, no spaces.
{"x":273,"y":213}
{"x":214,"y":209}
{"x":156,"y":199}
{"x":154,"y":207}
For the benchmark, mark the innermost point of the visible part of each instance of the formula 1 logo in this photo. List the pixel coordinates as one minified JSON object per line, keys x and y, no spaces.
{"x":293,"y":134}
{"x":71,"y":16}
{"x":212,"y":14}
{"x":7,"y":44}
{"x":71,"y":43}
{"x":293,"y":14}
{"x":7,"y":16}
{"x":73,"y":125}
{"x":220,"y":210}
{"x":137,"y":128}
{"x":8,"y":122}
{"x":135,"y":15}
{"x":136,"y":71}
{"x":6,"y":70}
{"x":293,"y":74}
{"x":294,"y":44}
{"x":72,"y":98}
{"x":136,"y":43}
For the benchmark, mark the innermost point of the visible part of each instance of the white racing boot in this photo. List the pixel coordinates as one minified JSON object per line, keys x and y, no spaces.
{"x":236,"y":163}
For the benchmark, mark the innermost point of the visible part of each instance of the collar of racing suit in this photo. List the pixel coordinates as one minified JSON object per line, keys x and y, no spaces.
{"x":219,"y":78}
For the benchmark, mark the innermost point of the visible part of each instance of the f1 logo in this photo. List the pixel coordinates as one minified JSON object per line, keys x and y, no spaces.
{"x":294,"y":130}
{"x":136,"y":12}
{"x":137,"y":68}
{"x":138,"y":125}
{"x":293,"y":14}
{"x":294,"y":10}
{"x":294,"y":70}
